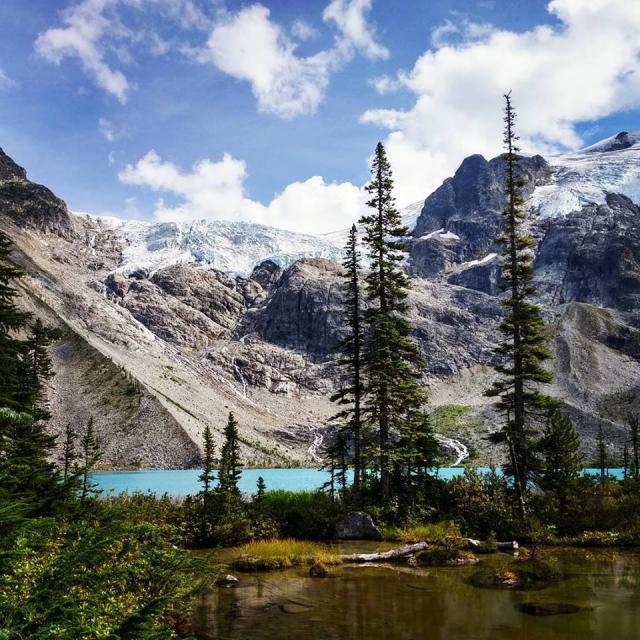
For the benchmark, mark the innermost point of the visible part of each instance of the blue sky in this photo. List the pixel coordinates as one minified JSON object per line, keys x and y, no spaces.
{"x":111,"y":103}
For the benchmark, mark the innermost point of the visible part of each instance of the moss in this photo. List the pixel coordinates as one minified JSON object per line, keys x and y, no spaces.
{"x":269,"y":555}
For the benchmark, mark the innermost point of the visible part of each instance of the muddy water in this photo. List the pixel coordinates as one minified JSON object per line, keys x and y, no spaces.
{"x":388,"y":603}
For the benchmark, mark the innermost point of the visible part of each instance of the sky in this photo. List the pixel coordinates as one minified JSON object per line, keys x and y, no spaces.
{"x":269,"y":111}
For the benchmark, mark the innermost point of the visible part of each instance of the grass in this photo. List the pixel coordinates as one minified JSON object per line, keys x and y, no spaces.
{"x":445,"y":533}
{"x":267,"y":555}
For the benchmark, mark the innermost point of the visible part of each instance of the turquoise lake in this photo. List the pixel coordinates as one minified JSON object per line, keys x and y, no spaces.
{"x":181,"y":482}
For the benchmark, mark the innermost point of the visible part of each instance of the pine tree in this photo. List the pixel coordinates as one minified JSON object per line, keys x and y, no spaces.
{"x":37,"y":368}
{"x":634,"y":427}
{"x":392,"y":361}
{"x":261,"y":489}
{"x":12,"y":320}
{"x":562,"y":461}
{"x":603,"y":458}
{"x":524,"y":350}
{"x":349,"y":396}
{"x":69,"y":454}
{"x":90,"y":455}
{"x":207,"y":476}
{"x":230,"y":466}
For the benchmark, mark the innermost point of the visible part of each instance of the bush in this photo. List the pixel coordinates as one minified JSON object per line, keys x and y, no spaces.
{"x":302,"y":514}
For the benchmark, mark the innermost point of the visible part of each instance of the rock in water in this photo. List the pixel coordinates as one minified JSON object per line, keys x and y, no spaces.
{"x":357,"y":525}
{"x":318,"y":570}
{"x":227,"y":581}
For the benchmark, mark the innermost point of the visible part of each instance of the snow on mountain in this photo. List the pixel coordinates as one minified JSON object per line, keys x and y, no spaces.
{"x":409,"y":215}
{"x":586,"y":176}
{"x":233,"y":247}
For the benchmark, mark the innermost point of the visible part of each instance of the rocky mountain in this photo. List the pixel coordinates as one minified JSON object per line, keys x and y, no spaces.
{"x":167,"y":327}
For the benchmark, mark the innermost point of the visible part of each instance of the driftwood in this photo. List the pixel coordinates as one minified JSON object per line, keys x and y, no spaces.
{"x":393,"y":554}
{"x":512,"y":545}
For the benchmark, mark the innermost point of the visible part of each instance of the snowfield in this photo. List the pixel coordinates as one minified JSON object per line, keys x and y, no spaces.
{"x":586,"y":176}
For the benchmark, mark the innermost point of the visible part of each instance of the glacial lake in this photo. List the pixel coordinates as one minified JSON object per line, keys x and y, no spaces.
{"x":600,"y":589}
{"x":181,"y":482}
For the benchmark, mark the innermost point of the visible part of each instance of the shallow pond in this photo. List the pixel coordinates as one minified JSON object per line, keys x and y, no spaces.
{"x":397,"y":602}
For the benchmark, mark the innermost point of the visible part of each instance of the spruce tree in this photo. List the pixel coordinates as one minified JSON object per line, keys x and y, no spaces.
{"x":90,"y":456}
{"x":634,"y":428}
{"x":261,"y":489}
{"x":12,"y":321}
{"x":524,"y":350}
{"x":230,"y":466}
{"x":69,"y":453}
{"x":392,"y":361}
{"x":603,"y":458}
{"x":562,"y":461}
{"x":349,"y":396}
{"x":207,"y":476}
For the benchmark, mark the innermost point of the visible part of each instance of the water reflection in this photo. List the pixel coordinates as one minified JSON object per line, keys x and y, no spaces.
{"x":433,"y":604}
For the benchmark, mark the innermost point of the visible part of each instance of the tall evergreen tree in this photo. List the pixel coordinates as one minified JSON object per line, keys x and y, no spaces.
{"x":562,"y":461}
{"x":634,"y":428}
{"x":69,"y":453}
{"x":12,"y":321}
{"x":392,"y":361}
{"x":207,"y":476}
{"x":37,"y":368}
{"x":349,"y":396}
{"x":230,"y":465}
{"x":603,"y":457}
{"x":90,"y":456}
{"x":524,"y":349}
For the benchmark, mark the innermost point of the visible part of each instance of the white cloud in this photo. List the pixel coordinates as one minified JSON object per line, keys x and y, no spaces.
{"x":303,"y":30}
{"x":85,"y":25}
{"x":93,"y":32}
{"x":215,"y":191}
{"x":350,"y":18}
{"x":108,"y":130}
{"x":583,"y":69}
{"x":249,"y":46}
{"x":6,"y":82}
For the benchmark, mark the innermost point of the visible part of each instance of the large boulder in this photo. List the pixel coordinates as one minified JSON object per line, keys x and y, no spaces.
{"x":357,"y":525}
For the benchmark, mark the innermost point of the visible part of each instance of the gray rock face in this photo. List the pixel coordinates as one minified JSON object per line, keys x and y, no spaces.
{"x":304,"y":313}
{"x":30,"y":204}
{"x":469,"y":205}
{"x":485,"y":277}
{"x":593,"y":256}
{"x":357,"y":525}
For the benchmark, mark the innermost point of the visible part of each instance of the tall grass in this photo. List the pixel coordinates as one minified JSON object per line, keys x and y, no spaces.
{"x":264,"y":555}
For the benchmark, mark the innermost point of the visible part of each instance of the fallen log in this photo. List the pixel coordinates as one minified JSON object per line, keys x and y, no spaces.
{"x":512,"y":545}
{"x":392,"y":554}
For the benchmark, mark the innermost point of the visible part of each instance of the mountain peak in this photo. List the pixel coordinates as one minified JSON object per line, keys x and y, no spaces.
{"x":10,"y":170}
{"x":622,"y":140}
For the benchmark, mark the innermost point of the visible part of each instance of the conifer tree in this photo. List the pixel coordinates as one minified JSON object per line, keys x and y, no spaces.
{"x":230,"y":466}
{"x":634,"y":427}
{"x":69,"y":453}
{"x":392,"y":361}
{"x":524,"y":349}
{"x":603,"y":458}
{"x":207,"y":476}
{"x":12,"y":320}
{"x":349,"y":396}
{"x":37,"y":368}
{"x":562,"y":461}
{"x":90,"y":456}
{"x":261,"y":488}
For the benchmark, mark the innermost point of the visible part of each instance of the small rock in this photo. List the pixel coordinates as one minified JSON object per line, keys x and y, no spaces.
{"x":318,"y":570}
{"x":412,"y":561}
{"x":227,"y":581}
{"x":357,"y":525}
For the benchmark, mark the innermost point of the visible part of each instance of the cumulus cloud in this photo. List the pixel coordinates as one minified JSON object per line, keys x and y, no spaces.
{"x":303,"y":30}
{"x":584,"y":68}
{"x":93,"y":32}
{"x":249,"y":45}
{"x":214,"y":190}
{"x":350,"y":18}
